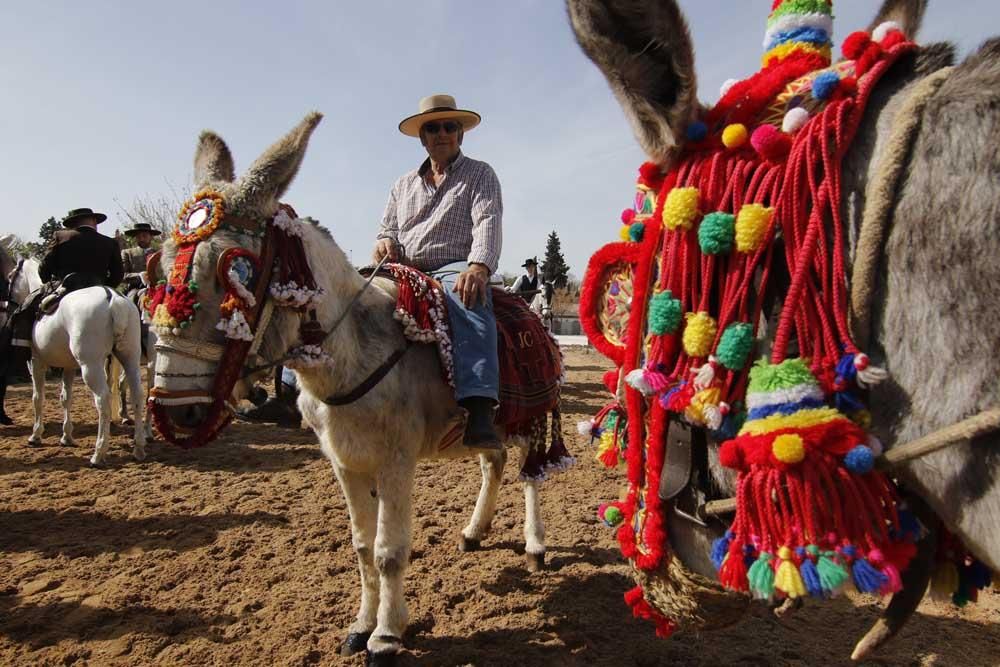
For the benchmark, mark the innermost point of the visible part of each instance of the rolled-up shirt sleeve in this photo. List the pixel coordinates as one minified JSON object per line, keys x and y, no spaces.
{"x":389,"y":227}
{"x":487,"y":219}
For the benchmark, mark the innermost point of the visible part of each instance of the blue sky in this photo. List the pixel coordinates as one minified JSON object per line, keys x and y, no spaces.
{"x":103,"y":101}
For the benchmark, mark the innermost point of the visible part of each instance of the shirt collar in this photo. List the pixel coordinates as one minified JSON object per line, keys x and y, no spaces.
{"x":455,"y":162}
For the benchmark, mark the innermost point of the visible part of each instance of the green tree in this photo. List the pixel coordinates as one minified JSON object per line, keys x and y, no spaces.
{"x":45,"y":233}
{"x":554,"y":268}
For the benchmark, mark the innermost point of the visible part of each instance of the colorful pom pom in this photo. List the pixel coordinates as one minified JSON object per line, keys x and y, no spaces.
{"x":681,"y":208}
{"x":664,"y":313}
{"x":624,"y":233}
{"x":860,"y":460}
{"x":751,"y":226}
{"x":734,"y":345}
{"x":787,"y":579}
{"x":824,"y":85}
{"x":735,"y":135}
{"x":717,"y":233}
{"x":883,"y":29}
{"x":794,"y":120}
{"x":788,"y":448}
{"x":636,"y":231}
{"x":771,"y":144}
{"x":855,"y":45}
{"x":610,"y":514}
{"x":761,"y":577}
{"x":651,"y":175}
{"x":699,"y":334}
{"x":697,"y":131}
{"x":628,"y":216}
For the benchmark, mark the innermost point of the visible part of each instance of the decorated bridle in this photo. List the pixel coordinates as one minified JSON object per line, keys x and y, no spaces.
{"x":254,"y":284}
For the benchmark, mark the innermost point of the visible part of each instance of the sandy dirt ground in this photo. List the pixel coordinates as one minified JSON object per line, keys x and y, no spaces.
{"x":240,"y":554}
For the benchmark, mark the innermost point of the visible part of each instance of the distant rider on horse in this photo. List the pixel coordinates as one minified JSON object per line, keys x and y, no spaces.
{"x":444,"y":218}
{"x":526,"y":286}
{"x":78,"y":251}
{"x":134,"y":258}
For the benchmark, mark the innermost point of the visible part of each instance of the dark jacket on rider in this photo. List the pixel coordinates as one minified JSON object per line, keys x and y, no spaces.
{"x":83,"y":250}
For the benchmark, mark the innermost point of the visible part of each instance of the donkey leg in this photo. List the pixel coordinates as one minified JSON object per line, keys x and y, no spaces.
{"x":392,"y":556}
{"x":362,"y":505}
{"x":37,"y":400}
{"x":492,"y":464}
{"x":66,"y":401}
{"x":96,"y":379}
{"x":534,"y":528}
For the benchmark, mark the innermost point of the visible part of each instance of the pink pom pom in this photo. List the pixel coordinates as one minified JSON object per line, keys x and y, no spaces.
{"x":628,"y":216}
{"x":770,"y":143}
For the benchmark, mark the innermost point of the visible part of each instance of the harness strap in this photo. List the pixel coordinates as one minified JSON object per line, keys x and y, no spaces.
{"x":985,"y":422}
{"x":371,"y":381}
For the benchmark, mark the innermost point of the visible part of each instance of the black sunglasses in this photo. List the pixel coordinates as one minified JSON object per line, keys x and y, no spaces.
{"x":433,"y":127}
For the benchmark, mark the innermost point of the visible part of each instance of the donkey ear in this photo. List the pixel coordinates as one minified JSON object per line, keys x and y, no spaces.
{"x":272,"y":173}
{"x":212,"y":160}
{"x":909,"y":14}
{"x":643,"y":47}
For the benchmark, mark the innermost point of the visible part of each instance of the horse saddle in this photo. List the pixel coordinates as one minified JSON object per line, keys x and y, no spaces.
{"x":52,"y":293}
{"x":531,"y":366}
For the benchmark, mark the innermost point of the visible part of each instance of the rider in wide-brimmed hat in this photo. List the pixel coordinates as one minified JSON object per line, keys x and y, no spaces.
{"x":134,"y":258}
{"x":527,"y":283}
{"x":444,"y":218}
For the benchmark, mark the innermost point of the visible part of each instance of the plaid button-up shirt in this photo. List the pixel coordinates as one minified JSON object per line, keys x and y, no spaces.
{"x":459,"y":220}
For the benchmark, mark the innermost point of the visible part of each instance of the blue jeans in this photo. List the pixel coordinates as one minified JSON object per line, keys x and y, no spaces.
{"x":473,"y":338}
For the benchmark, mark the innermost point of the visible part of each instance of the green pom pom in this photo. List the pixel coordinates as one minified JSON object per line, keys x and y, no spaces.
{"x":664,"y":313}
{"x":185,"y":324}
{"x":196,"y":305}
{"x":761,"y":576}
{"x":193,"y":286}
{"x":770,"y":377}
{"x":717,"y":233}
{"x":832,"y":575}
{"x":734,"y":346}
{"x":613,"y":516}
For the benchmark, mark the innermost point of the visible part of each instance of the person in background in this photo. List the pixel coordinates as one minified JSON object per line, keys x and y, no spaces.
{"x":527,"y":284}
{"x":134,"y":258}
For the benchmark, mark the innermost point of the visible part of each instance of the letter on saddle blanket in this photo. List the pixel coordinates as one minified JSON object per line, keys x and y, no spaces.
{"x":531,"y":367}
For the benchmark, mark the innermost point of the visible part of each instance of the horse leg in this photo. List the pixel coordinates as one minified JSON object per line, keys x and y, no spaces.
{"x":150,"y":374}
{"x":362,"y":506}
{"x":96,"y":378}
{"x":130,"y":369}
{"x":392,"y":556}
{"x":124,"y":394}
{"x":66,"y":401}
{"x":534,"y":527}
{"x":492,"y":464}
{"x":37,"y":400}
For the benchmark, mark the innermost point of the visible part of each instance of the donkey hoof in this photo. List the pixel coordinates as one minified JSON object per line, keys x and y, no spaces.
{"x":139,"y":454}
{"x":536,"y":562}
{"x":96,"y":464}
{"x":355,"y":643}
{"x":34,"y":442}
{"x":67,"y":442}
{"x":127,"y":421}
{"x":384,"y":659}
{"x":467,"y":544}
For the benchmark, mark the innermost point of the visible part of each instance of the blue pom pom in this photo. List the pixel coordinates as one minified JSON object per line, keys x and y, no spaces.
{"x":860,"y":460}
{"x":636,"y":231}
{"x":720,"y":548}
{"x":846,"y":368}
{"x":697,"y":131}
{"x":810,"y":575}
{"x":824,"y":85}
{"x":866,"y":578}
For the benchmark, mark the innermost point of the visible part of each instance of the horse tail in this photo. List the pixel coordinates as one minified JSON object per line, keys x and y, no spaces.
{"x":125,"y":326}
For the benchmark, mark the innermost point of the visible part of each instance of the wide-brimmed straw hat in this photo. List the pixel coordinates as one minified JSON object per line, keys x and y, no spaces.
{"x":142,"y":227}
{"x":78,"y":214}
{"x":438,"y":107}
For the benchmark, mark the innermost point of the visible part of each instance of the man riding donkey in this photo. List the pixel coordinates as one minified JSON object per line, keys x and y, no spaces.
{"x":78,"y":252}
{"x":444,"y":218}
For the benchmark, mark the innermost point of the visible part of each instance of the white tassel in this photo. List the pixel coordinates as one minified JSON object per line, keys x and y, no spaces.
{"x":871,"y":376}
{"x":637,"y":380}
{"x":585,"y":427}
{"x":705,"y":375}
{"x":713,"y":417}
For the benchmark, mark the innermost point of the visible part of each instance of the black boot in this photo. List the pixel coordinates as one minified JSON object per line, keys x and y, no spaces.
{"x":479,"y":431}
{"x":276,"y":410}
{"x":4,"y":419}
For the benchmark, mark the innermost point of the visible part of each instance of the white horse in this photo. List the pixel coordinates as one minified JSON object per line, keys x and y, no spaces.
{"x":374,"y":442}
{"x":541,"y":304}
{"x":88,"y":326}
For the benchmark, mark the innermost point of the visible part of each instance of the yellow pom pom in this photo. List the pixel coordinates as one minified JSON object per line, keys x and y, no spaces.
{"x":697,"y":410}
{"x":735,"y":135}
{"x":788,"y":448}
{"x":751,"y":226}
{"x":623,"y":233}
{"x":699,"y":334}
{"x":787,"y":578}
{"x":681,"y":208}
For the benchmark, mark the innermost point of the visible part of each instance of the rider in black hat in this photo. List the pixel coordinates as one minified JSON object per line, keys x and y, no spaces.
{"x":93,"y":258}
{"x":134,"y":258}
{"x":527,"y":285}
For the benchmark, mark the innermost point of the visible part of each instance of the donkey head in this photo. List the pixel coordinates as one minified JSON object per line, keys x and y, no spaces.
{"x":213,"y":253}
{"x":644,"y":49}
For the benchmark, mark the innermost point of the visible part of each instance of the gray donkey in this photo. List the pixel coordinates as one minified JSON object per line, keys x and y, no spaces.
{"x":935,"y":312}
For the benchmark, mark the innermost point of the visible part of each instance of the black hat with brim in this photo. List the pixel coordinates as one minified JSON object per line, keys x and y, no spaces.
{"x":78,"y":214}
{"x":531,"y":260}
{"x":142,"y":227}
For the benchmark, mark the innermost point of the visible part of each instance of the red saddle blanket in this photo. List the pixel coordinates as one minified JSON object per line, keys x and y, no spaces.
{"x":531,"y":365}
